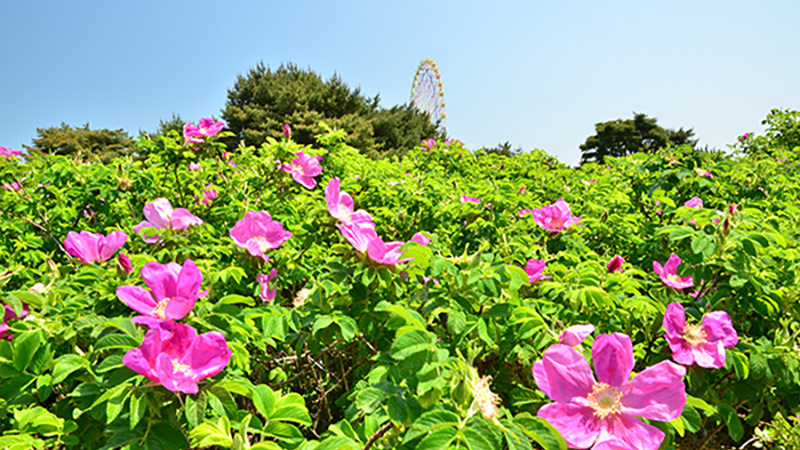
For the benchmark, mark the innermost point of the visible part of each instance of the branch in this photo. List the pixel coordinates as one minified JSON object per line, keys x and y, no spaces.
{"x":378,"y":434}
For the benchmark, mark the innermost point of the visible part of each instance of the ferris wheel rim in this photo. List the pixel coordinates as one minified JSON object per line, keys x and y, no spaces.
{"x":427,"y":93}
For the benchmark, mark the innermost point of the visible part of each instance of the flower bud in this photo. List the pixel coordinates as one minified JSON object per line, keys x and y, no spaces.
{"x":124,"y":184}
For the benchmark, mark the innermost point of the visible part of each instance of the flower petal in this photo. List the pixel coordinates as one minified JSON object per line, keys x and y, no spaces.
{"x":160,"y":279}
{"x":138,"y":298}
{"x":613,"y":358}
{"x":657,"y":393}
{"x":674,"y":319}
{"x":576,"y":423}
{"x":208,"y":354}
{"x":719,"y":327}
{"x":563,"y":374}
{"x":575,"y":334}
{"x":637,"y":434}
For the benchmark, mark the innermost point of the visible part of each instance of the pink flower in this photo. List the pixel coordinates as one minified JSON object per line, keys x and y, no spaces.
{"x":703,"y":344}
{"x":91,"y":247}
{"x":668,"y":273}
{"x":161,"y":216}
{"x":257,"y":233}
{"x":421,"y":239}
{"x":575,"y":334}
{"x":207,"y":128}
{"x":694,"y":202}
{"x":174,"y":290}
{"x":385,"y":252}
{"x":591,"y":413}
{"x":340,"y":205}
{"x":194,"y":167}
{"x":303,"y":169}
{"x":6,"y":152}
{"x":358,"y":234}
{"x":179,"y":358}
{"x":429,"y":143}
{"x":13,"y":186}
{"x":615,"y":265}
{"x":287,"y":130}
{"x":555,"y":217}
{"x":8,"y":314}
{"x":266,"y":293}
{"x":534,"y":269}
{"x":465,"y":199}
{"x":208,"y":195}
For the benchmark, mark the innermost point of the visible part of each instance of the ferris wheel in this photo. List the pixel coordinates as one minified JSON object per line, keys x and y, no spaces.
{"x":427,"y":94}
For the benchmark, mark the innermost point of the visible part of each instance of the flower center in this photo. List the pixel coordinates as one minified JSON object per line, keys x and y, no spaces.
{"x":694,"y":335}
{"x":675,"y":278}
{"x":182,"y":369}
{"x":262,"y":242}
{"x":605,"y":400}
{"x":161,"y":308}
{"x":557,"y":222}
{"x":344,"y":213}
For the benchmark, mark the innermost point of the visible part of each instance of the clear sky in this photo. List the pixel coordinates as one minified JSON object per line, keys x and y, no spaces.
{"x":538,"y":74}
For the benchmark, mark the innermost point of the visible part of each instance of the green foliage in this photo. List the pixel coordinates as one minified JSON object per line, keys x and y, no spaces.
{"x":356,"y":354}
{"x":260,"y":103}
{"x":93,"y":145}
{"x":781,"y":136}
{"x":625,"y":137}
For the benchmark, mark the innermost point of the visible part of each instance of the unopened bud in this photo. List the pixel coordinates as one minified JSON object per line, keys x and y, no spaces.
{"x":124,"y":184}
{"x":124,"y":264}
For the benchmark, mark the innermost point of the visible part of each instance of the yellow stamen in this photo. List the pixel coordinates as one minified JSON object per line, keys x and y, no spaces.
{"x":605,"y":400}
{"x":694,"y":335}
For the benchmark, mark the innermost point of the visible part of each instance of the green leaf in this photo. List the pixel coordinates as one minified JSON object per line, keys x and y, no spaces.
{"x":680,"y":234}
{"x":25,"y":346}
{"x":691,"y":419}
{"x":264,"y":400}
{"x":234,"y":299}
{"x":542,"y":432}
{"x":137,"y":408}
{"x":438,"y":440}
{"x":338,"y":443}
{"x":291,"y":408}
{"x":431,"y":421}
{"x":735,"y":428}
{"x":212,"y":433}
{"x":369,"y":399}
{"x":116,"y":340}
{"x":414,"y":341}
{"x":475,"y":440}
{"x":65,"y":365}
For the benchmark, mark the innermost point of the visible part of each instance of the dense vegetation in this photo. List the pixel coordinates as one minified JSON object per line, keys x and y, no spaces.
{"x":322,"y":341}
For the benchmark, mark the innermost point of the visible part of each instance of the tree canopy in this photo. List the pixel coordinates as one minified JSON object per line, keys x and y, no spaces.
{"x":624,"y":137}
{"x":263,"y":100}
{"x":101,"y":144}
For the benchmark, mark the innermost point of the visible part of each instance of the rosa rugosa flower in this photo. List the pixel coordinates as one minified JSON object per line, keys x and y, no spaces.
{"x":703,"y":344}
{"x":90,"y":247}
{"x":615,"y":264}
{"x":161,"y":216}
{"x":257,"y":233}
{"x":555,"y":217}
{"x":174,"y":290}
{"x":6,"y":152}
{"x":694,"y":202}
{"x":534,"y":269}
{"x":467,"y":199}
{"x":207,"y":128}
{"x":421,"y":239}
{"x":340,"y":205}
{"x":588,"y":413}
{"x":668,"y":273}
{"x":303,"y":169}
{"x":179,"y":358}
{"x":8,"y":314}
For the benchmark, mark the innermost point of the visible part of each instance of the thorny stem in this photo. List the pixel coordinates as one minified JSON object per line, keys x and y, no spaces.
{"x":378,"y":434}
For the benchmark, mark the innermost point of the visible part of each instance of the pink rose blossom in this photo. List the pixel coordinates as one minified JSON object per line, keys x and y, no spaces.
{"x":194,"y":167}
{"x":534,"y":269}
{"x":615,"y":265}
{"x":602,"y":414}
{"x":703,"y":344}
{"x":340,"y":205}
{"x":555,"y":217}
{"x":179,"y":358}
{"x":208,"y":195}
{"x":257,"y":233}
{"x":668,"y":273}
{"x":207,"y":128}
{"x":266,"y":293}
{"x":8,"y":314}
{"x":421,"y":239}
{"x":575,"y":334}
{"x":694,"y":202}
{"x":161,"y":216}
{"x":91,"y":247}
{"x":174,"y":289}
{"x":303,"y":169}
{"x":287,"y":130}
{"x":13,"y":186}
{"x":465,"y":199}
{"x":6,"y":152}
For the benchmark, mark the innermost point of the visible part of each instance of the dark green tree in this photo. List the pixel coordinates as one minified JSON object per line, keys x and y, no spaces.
{"x":624,"y":137}
{"x":93,"y":145}
{"x":263,"y":100}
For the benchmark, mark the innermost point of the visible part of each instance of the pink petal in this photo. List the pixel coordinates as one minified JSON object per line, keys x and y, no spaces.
{"x":613,"y":444}
{"x":150,"y":239}
{"x":137,"y":298}
{"x":158,"y":212}
{"x":83,"y":246}
{"x":657,"y":393}
{"x":674,"y":319}
{"x":189,"y":280}
{"x":710,"y":355}
{"x":658,"y":269}
{"x":563,"y":374}
{"x":208,"y":354}
{"x":672,"y":264}
{"x":613,"y":358}
{"x":719,"y":327}
{"x":174,"y":380}
{"x":182,"y":219}
{"x":637,"y":434}
{"x":160,"y":279}
{"x":575,"y":334}
{"x":576,"y":423}
{"x":110,"y":244}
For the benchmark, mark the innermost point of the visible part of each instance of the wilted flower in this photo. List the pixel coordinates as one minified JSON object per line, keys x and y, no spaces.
{"x":257,"y":233}
{"x":694,"y":202}
{"x":703,"y":344}
{"x":591,"y":413}
{"x":340,"y":205}
{"x":534,"y":269}
{"x":484,"y":399}
{"x":174,"y":289}
{"x":179,"y":358}
{"x":90,"y":247}
{"x":266,"y":293}
{"x":161,"y":216}
{"x":303,"y":169}
{"x":575,"y":334}
{"x":555,"y":217}
{"x":207,"y":128}
{"x":301,"y":297}
{"x":615,"y":265}
{"x":668,"y":273}
{"x":703,"y":173}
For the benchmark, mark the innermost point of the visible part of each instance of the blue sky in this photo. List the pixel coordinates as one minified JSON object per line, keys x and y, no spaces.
{"x":536,"y":74}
